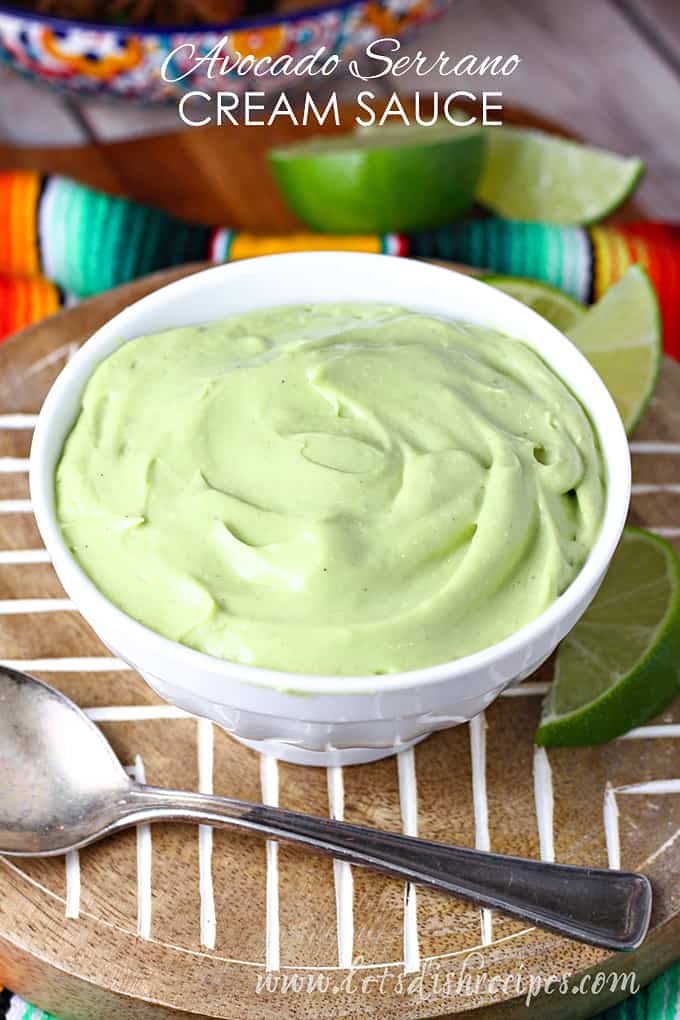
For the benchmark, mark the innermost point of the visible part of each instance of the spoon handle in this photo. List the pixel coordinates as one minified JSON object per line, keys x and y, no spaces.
{"x":604,"y":908}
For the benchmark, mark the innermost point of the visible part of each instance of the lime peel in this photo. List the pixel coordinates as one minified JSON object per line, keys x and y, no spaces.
{"x":384,"y":180}
{"x":552,"y":303}
{"x":532,"y":175}
{"x":622,"y":338}
{"x":610,"y":680}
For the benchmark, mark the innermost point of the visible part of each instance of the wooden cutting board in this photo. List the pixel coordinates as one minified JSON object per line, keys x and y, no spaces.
{"x":214,"y":175}
{"x":170,"y":922}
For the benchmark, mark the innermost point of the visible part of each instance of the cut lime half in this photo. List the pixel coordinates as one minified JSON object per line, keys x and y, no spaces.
{"x":531,"y":175}
{"x":620,"y":665}
{"x":621,"y":336}
{"x":553,"y":304}
{"x":382,"y":180}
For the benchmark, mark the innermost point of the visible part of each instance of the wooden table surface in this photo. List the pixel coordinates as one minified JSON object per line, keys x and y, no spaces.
{"x":609,"y":70}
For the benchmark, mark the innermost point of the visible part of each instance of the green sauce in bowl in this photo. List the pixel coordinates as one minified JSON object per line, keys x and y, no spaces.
{"x":334,"y":489}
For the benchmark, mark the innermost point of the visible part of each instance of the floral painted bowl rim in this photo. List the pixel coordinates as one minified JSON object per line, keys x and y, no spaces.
{"x":255,"y":21}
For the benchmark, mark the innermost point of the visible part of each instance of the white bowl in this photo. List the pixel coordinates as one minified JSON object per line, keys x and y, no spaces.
{"x":328,"y":720}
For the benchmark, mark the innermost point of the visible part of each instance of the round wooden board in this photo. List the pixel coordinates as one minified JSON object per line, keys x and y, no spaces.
{"x":212,"y":923}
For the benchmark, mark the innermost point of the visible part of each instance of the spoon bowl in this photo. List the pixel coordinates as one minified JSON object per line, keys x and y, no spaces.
{"x":62,"y":788}
{"x":62,"y":783}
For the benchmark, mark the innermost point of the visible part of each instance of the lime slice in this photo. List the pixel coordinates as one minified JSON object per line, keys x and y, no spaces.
{"x":620,"y":665}
{"x":621,"y":337}
{"x":530,"y":175}
{"x":381,"y":180}
{"x":550,"y":302}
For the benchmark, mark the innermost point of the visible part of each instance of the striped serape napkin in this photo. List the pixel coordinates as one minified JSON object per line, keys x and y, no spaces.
{"x":62,"y":240}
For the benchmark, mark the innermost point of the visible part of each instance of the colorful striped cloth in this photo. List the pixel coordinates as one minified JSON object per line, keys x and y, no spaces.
{"x":59,"y":239}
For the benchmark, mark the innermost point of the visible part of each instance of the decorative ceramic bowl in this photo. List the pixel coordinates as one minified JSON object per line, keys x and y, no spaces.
{"x":124,"y":62}
{"x":328,"y":720}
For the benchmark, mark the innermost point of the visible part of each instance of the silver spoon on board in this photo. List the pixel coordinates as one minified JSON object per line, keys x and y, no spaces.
{"x":62,"y":787}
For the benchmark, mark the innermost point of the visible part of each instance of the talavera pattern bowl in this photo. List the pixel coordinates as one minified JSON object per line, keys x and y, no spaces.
{"x":124,"y":62}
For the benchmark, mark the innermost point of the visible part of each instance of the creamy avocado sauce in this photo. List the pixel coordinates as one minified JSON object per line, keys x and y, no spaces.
{"x":333,"y":489}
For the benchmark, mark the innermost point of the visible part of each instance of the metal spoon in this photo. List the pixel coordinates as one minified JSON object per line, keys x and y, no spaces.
{"x":62,"y":787}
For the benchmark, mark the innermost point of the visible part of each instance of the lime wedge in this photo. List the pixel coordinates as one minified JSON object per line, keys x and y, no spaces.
{"x":620,"y":665}
{"x":621,"y":337}
{"x":530,"y":175}
{"x":553,"y":304}
{"x":381,"y":180}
